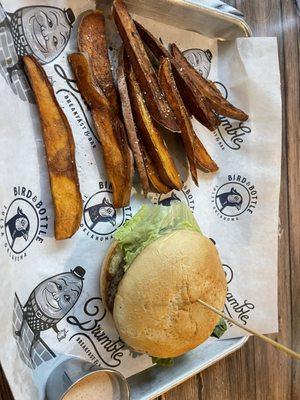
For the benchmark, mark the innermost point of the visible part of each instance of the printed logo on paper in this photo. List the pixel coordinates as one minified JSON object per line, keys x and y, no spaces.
{"x":200,"y":60}
{"x":236,"y":196}
{"x":71,"y":102}
{"x":100,"y":218}
{"x":99,"y":346}
{"x":47,"y":305}
{"x":183,"y":195}
{"x":230,"y":134}
{"x":40,"y":30}
{"x":23,"y":222}
{"x":235,"y":307}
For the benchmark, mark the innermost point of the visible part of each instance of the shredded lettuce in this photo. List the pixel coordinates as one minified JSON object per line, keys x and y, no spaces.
{"x":150,"y":223}
{"x":220,"y":328}
{"x":163,"y":362}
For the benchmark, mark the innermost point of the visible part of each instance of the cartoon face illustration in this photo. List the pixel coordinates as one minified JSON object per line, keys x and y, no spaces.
{"x":57,"y":295}
{"x":43,"y":31}
{"x":103,"y":212}
{"x":231,"y":199}
{"x":46,"y":30}
{"x":200,"y":60}
{"x":40,"y":30}
{"x":18,"y":226}
{"x":168,"y":200}
{"x":45,"y":307}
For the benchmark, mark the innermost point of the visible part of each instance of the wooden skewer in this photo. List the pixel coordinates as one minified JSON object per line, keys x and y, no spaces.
{"x":263,"y":337}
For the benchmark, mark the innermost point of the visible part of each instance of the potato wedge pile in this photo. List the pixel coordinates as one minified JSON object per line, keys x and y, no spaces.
{"x":156,"y":92}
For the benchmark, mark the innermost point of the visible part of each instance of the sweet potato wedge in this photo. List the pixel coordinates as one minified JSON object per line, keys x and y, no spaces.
{"x":91,"y":40}
{"x":156,"y":47}
{"x":60,"y":152}
{"x":112,"y":154}
{"x":127,"y":158}
{"x":152,"y":172}
{"x":151,"y":136}
{"x":85,"y":82}
{"x":203,"y":159}
{"x":145,"y":74}
{"x":110,"y":130}
{"x":168,"y":85}
{"x":194,"y":100}
{"x":130,"y":125}
{"x":214,"y":97}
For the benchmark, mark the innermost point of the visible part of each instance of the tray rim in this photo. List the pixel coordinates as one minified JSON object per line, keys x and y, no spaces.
{"x":235,"y":19}
{"x":211,"y":9}
{"x":240,"y":342}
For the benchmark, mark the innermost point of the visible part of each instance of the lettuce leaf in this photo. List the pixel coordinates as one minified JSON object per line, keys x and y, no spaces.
{"x":220,"y":328}
{"x":163,"y":362}
{"x":150,"y":223}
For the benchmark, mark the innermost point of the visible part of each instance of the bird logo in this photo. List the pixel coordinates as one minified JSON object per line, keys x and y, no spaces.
{"x":102,"y":212}
{"x":168,"y":200}
{"x":18,"y":226}
{"x":230,"y":199}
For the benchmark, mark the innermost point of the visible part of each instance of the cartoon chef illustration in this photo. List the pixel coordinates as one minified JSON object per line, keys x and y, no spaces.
{"x":50,"y":302}
{"x":40,"y":30}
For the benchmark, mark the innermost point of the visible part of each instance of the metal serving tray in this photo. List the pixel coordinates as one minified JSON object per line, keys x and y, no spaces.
{"x":215,"y":19}
{"x":157,"y":380}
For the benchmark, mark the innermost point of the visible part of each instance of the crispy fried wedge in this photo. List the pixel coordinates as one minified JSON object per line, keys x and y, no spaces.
{"x":92,"y":41}
{"x":130,"y":125}
{"x":203,"y":159}
{"x":198,"y":153}
{"x":110,"y":130}
{"x":151,"y":136}
{"x":85,"y":82}
{"x":60,"y":153}
{"x":152,"y":172}
{"x":112,"y":154}
{"x":195,"y":102}
{"x":145,"y":74}
{"x":193,"y":98}
{"x":168,"y":85}
{"x":127,"y":158}
{"x":157,"y":49}
{"x":214,"y":97}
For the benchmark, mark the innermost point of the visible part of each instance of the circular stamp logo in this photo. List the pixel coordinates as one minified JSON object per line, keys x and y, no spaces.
{"x":183,"y":195}
{"x":100,"y":218}
{"x":23,"y":221}
{"x":200,"y":60}
{"x":234,"y":197}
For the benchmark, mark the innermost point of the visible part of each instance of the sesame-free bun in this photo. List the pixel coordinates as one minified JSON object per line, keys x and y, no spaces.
{"x":155,"y":308}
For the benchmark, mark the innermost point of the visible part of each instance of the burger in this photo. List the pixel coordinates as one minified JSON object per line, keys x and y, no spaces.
{"x":152,"y":276}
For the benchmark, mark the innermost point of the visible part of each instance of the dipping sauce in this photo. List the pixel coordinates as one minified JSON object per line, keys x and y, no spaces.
{"x":97,"y":386}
